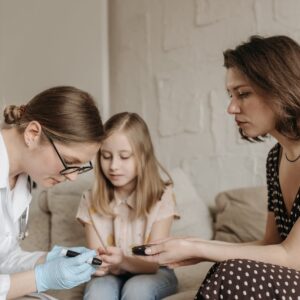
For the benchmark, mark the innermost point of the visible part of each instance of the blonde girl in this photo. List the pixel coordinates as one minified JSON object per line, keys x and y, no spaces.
{"x":130,"y":204}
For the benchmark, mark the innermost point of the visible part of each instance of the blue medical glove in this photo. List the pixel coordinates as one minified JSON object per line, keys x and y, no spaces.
{"x":56,"y":251}
{"x":64,"y":272}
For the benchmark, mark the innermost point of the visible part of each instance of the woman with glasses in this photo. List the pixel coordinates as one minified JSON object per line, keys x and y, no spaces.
{"x":49,"y":140}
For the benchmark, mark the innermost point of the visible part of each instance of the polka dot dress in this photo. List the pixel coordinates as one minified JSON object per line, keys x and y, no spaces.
{"x":247,"y":279}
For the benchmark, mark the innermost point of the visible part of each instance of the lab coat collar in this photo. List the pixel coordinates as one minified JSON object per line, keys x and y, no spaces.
{"x":21,"y":196}
{"x":4,"y":164}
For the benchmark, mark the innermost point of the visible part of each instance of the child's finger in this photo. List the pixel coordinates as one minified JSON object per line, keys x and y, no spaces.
{"x":101,"y":272}
{"x":108,"y":259}
{"x":101,"y":250}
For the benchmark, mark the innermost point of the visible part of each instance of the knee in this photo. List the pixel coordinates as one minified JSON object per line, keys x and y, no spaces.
{"x":150,"y":287}
{"x":101,"y":288}
{"x":136,"y":290}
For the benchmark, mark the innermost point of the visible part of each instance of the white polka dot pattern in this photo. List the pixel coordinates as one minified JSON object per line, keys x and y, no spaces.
{"x":276,"y":204}
{"x":228,"y":280}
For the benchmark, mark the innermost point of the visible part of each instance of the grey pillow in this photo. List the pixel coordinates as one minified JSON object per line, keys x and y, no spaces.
{"x":241,"y":214}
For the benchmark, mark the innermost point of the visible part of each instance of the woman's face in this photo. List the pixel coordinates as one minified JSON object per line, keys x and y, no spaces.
{"x":45,"y":167}
{"x":118,"y":161}
{"x":251,"y":112}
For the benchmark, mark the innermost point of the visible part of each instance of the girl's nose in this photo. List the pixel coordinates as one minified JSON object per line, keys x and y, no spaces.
{"x":114,"y":164}
{"x":233,"y":107}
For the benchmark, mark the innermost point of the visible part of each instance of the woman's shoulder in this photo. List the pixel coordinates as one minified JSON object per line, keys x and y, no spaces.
{"x":168,"y":192}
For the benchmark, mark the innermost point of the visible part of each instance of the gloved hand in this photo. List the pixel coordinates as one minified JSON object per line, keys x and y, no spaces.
{"x":64,"y":272}
{"x":56,"y":251}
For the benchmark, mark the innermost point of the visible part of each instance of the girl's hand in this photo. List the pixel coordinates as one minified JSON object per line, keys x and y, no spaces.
{"x":113,"y":257}
{"x":171,"y":251}
{"x":102,"y":271}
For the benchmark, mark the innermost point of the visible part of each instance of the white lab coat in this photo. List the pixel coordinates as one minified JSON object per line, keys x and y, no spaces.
{"x":12,"y":204}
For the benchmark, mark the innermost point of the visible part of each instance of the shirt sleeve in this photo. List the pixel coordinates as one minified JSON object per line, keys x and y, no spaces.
{"x":4,"y":286}
{"x":19,"y":260}
{"x":83,"y":215}
{"x":167,"y":205}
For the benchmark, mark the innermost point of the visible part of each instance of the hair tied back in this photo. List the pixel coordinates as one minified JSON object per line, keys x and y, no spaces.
{"x":22,"y":109}
{"x":13,"y":114}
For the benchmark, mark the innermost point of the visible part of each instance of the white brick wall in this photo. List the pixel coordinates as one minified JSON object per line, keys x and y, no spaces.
{"x":166,"y":64}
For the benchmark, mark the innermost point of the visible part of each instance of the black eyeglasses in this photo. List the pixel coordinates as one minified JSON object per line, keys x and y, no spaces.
{"x":69,"y":170}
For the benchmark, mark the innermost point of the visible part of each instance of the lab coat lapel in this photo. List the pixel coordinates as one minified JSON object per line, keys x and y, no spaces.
{"x":21,"y":197}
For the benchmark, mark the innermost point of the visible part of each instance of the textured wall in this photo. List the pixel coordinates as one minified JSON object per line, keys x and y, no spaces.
{"x":166,"y":64}
{"x":47,"y":43}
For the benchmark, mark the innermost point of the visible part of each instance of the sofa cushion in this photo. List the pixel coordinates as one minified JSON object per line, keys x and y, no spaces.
{"x":38,"y":225}
{"x":195,"y":218}
{"x":241,"y":214}
{"x":62,"y":204}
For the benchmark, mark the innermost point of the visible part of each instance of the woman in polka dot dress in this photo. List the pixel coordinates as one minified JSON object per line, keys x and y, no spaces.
{"x":263,"y":83}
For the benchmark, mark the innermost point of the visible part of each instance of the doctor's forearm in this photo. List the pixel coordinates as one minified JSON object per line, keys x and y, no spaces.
{"x":42,"y":259}
{"x":21,"y":284}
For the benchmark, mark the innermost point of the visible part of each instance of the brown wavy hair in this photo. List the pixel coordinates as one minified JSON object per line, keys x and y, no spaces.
{"x":272,"y":64}
{"x":149,"y":183}
{"x":66,"y":114}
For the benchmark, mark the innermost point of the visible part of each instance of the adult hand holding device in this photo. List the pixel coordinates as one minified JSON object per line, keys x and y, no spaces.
{"x":140,"y":250}
{"x":64,"y":272}
{"x":57,"y":250}
{"x":170,"y":252}
{"x":71,"y":253}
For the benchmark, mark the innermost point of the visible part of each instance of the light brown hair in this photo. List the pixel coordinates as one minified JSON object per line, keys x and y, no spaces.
{"x":66,"y":114}
{"x":272,"y":64}
{"x":149,"y":183}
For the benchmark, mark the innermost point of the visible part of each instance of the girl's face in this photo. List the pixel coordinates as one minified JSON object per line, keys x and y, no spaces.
{"x":252,"y":114}
{"x":118,"y":162}
{"x":46,"y":166}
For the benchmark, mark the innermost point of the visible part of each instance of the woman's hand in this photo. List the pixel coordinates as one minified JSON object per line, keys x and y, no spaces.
{"x":172,"y":252}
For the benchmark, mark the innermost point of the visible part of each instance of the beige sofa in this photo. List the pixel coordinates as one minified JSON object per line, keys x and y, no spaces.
{"x":238,"y":215}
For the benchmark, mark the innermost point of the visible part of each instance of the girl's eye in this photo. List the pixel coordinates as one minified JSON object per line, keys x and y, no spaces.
{"x":125,"y":157}
{"x":106,"y":156}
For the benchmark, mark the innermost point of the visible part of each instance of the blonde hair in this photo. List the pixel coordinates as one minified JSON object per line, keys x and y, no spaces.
{"x":149,"y":183}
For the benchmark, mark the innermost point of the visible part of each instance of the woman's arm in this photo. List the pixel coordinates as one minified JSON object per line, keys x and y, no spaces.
{"x":21,"y":284}
{"x":271,"y":235}
{"x":270,"y":250}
